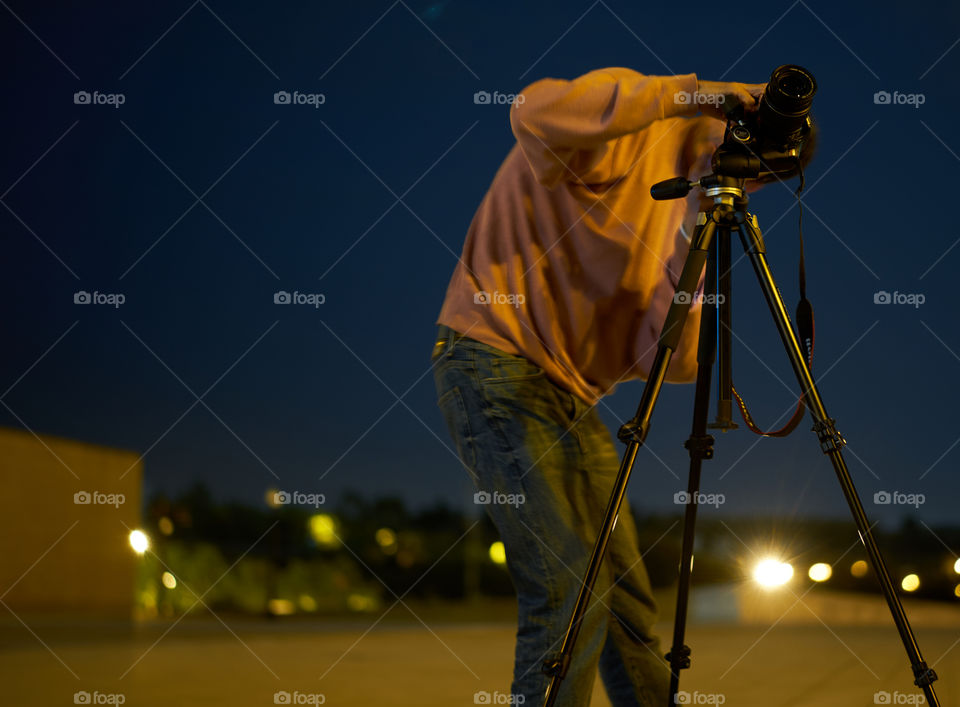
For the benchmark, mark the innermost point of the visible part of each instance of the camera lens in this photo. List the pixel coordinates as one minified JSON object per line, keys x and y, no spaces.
{"x":790,"y":90}
{"x":786,"y":102}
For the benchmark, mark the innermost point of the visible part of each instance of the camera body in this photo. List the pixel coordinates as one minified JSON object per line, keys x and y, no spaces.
{"x":769,"y":140}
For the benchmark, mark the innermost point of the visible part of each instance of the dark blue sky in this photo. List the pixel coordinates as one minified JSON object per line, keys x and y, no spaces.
{"x":302,"y":198}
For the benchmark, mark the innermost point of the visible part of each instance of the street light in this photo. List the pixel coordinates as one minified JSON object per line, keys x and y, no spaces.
{"x":772,"y":573}
{"x":139,"y":541}
{"x":820,"y":572}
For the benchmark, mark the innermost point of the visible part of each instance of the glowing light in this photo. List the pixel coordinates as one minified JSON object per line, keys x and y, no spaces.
{"x":165,"y":525}
{"x":956,"y":591}
{"x":139,"y":541}
{"x":281,"y":607}
{"x":323,"y":530}
{"x":307,"y":602}
{"x":360,"y":602}
{"x":498,"y":553}
{"x":387,"y":540}
{"x":272,"y":497}
{"x":820,"y":572}
{"x":859,"y":569}
{"x":773,"y":573}
{"x":956,"y":566}
{"x":910,"y":583}
{"x":169,"y":581}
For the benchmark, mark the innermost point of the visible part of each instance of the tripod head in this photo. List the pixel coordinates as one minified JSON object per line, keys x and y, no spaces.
{"x":722,"y":189}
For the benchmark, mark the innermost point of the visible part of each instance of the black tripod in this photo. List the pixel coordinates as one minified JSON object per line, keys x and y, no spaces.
{"x":711,"y":246}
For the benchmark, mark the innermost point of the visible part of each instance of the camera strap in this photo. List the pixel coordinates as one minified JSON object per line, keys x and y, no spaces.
{"x":805,"y":329}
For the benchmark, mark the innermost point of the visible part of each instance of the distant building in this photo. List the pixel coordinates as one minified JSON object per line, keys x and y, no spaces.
{"x":66,"y":512}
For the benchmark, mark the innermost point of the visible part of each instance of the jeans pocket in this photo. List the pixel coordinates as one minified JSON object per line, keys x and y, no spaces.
{"x":455,"y":413}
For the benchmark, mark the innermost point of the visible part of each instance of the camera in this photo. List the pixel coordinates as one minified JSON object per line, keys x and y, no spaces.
{"x":770,"y":139}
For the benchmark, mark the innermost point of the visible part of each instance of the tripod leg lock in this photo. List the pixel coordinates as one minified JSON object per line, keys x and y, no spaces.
{"x":632,"y":431}
{"x":679,"y":658}
{"x":700,"y":446}
{"x":557,"y":665}
{"x":830,"y":439}
{"x":923,"y":675}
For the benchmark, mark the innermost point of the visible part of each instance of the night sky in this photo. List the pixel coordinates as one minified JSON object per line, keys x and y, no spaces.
{"x":199,"y":197}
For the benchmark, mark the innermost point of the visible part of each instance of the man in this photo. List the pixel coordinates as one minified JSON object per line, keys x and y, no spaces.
{"x":566,"y":276}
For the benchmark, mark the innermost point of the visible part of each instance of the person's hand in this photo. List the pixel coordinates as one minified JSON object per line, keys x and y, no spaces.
{"x":716,"y":96}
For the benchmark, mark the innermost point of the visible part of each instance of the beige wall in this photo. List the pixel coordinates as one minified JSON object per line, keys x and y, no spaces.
{"x":57,"y":554}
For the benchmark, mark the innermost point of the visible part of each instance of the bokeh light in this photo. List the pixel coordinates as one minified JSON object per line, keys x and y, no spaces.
{"x":139,"y":541}
{"x":323,"y":530}
{"x":272,"y":498}
{"x":820,"y":572}
{"x":169,"y":581}
{"x":387,"y":540}
{"x":772,"y":573}
{"x":498,"y":553}
{"x":910,"y":583}
{"x":281,"y":607}
{"x":361,"y":602}
{"x":859,"y":569}
{"x":956,"y":566}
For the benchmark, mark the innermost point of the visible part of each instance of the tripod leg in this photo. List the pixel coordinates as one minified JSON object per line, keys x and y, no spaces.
{"x":700,"y":445}
{"x":633,"y":433}
{"x":724,"y":420}
{"x":831,"y":443}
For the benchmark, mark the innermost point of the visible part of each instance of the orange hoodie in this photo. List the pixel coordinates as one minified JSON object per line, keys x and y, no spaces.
{"x":568,"y":260}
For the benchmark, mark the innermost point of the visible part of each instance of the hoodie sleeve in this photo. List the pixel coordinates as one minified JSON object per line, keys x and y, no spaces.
{"x":568,"y":130}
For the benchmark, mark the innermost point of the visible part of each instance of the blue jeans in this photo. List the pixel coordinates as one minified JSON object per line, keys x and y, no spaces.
{"x":544,"y":464}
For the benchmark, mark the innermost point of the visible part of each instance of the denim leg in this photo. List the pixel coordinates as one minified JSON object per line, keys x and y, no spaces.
{"x":544,"y":476}
{"x":512,"y":426}
{"x":631,"y":664}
